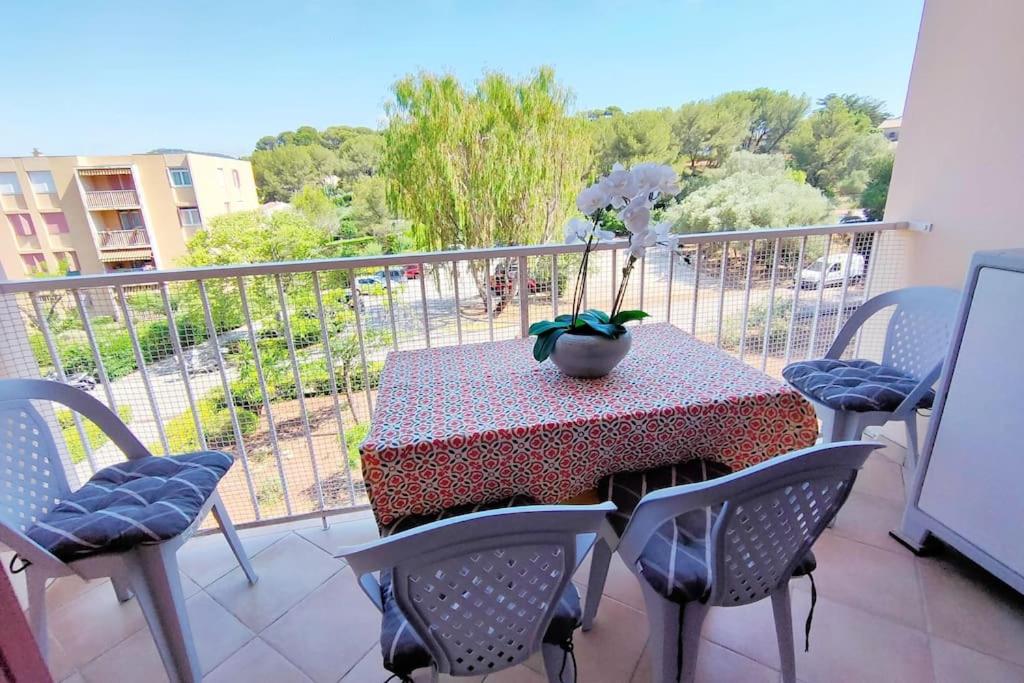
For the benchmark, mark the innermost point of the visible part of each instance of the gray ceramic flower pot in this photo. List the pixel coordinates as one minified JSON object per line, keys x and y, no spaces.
{"x":589,"y":356}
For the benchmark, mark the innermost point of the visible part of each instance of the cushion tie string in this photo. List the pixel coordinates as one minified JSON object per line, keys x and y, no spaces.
{"x":810,"y":613}
{"x":567,"y":652}
{"x":25,"y":564}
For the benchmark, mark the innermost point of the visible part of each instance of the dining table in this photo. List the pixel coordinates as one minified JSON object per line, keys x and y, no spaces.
{"x":481,"y":422}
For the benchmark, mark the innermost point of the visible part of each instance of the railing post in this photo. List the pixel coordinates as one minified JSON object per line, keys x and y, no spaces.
{"x":524,"y":299}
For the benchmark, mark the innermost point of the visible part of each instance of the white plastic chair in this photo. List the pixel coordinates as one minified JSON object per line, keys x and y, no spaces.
{"x":916,"y":341}
{"x":33,"y":481}
{"x":769,"y":517}
{"x":480,"y":590}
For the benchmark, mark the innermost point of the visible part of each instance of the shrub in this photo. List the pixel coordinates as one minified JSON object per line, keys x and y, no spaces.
{"x":39,"y":350}
{"x":374,"y":368}
{"x":93,"y":434}
{"x":216,"y":422}
{"x":146,"y":302}
{"x":116,"y":352}
{"x":354,"y":436}
{"x":76,"y":357}
{"x":757,"y":316}
{"x":154,"y":340}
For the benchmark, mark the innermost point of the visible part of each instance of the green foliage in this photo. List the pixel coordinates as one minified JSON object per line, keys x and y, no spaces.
{"x":333,"y":137}
{"x":314,"y":204}
{"x":751,"y":191}
{"x":774,"y":115}
{"x":253,"y":237}
{"x":283,"y":170}
{"x":871,"y":107}
{"x":496,"y":165}
{"x":835,"y":146}
{"x":354,"y":436}
{"x":589,"y":322}
{"x":757,"y":318}
{"x":360,"y":156}
{"x":93,"y":434}
{"x":631,"y":139}
{"x":876,"y":192}
{"x":215,"y":419}
{"x":707,"y":132}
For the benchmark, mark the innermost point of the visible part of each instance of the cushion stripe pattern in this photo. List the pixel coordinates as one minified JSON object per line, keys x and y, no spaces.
{"x":401,"y":647}
{"x":147,"y":500}
{"x":853,"y":385}
{"x":675,"y":561}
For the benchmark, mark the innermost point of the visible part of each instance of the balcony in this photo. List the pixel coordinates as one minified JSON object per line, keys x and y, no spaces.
{"x":273,"y":363}
{"x":111,"y":199}
{"x":123,"y":239}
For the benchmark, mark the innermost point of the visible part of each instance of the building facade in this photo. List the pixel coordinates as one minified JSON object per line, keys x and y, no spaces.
{"x":91,"y":214}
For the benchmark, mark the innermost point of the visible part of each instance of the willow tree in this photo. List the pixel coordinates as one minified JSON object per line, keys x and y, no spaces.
{"x":495,"y":165}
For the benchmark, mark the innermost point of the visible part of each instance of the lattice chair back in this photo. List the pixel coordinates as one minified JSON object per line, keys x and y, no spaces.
{"x":919,"y":330}
{"x":32,"y":479}
{"x":480,"y":590}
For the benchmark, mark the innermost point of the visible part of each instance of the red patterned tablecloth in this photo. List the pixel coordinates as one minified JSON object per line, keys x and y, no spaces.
{"x":482,"y":422}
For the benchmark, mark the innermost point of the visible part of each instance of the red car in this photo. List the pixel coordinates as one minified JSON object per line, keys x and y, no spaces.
{"x":412,"y":271}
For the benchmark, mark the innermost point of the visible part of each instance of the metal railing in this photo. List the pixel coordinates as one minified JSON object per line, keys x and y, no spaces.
{"x":279,"y":363}
{"x":123,"y":239}
{"x":112,"y":199}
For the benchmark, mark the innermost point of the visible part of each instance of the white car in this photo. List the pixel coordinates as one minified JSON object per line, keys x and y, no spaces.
{"x":368,"y":283}
{"x":834,"y":272}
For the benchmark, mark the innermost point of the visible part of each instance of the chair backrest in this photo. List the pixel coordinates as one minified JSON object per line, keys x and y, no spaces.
{"x":769,"y":517}
{"x":480,"y":590}
{"x":917,"y":337}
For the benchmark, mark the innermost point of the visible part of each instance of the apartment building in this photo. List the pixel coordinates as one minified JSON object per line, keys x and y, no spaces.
{"x":100,"y":214}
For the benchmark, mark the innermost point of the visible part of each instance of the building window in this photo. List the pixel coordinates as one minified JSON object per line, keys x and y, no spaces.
{"x":237,"y":178}
{"x":34,"y":263}
{"x":22,"y":224}
{"x":9,"y":184}
{"x":42,"y":182}
{"x":189,"y":217}
{"x":130,"y":220}
{"x":180,"y":177}
{"x":70,"y":258}
{"x":56,"y":223}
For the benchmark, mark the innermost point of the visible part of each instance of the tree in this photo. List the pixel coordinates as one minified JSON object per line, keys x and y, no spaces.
{"x":631,"y":138}
{"x":871,"y":107}
{"x":360,"y":155}
{"x":333,"y":137}
{"x":500,"y":164}
{"x":833,"y":143}
{"x":751,"y":191}
{"x":306,"y":135}
{"x":266,"y":142}
{"x":775,"y":114}
{"x":707,"y":132}
{"x":313,"y":203}
{"x":284,"y":170}
{"x":876,"y":192}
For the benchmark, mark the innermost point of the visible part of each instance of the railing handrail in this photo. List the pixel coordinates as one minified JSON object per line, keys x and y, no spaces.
{"x":359,"y":262}
{"x":114,"y":191}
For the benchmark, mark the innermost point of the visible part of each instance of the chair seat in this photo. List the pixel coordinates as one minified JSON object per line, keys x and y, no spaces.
{"x":674,"y":561}
{"x":147,"y":500}
{"x":402,"y":648}
{"x":853,"y":385}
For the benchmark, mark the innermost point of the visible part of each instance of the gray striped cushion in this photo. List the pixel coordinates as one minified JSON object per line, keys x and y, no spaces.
{"x":140,"y":501}
{"x":402,"y":649}
{"x":674,"y":561}
{"x":854,"y":385}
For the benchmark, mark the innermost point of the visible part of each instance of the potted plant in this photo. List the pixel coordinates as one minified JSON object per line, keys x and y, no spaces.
{"x":591,"y":343}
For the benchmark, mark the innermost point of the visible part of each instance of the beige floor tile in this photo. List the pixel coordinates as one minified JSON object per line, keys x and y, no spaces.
{"x":369,"y":668}
{"x":308,"y":635}
{"x":611,"y":650}
{"x":256,"y":661}
{"x":956,"y":663}
{"x":344,"y":532}
{"x":57,"y":660}
{"x":882,"y":478}
{"x":518,"y":674}
{"x":716,"y":664}
{"x":67,"y":588}
{"x":878,"y":581}
{"x":74,"y":678}
{"x":74,"y":625}
{"x":968,"y":606}
{"x":891,"y":450}
{"x":620,"y":584}
{"x":207,"y":558}
{"x":869,"y":519}
{"x":216,"y":633}
{"x":288,"y":570}
{"x":748,"y":630}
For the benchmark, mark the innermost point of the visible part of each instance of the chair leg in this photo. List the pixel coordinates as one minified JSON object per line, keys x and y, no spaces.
{"x":36,"y":585}
{"x":224,"y":520}
{"x":122,"y":587}
{"x":693,"y":620}
{"x":910,"y":462}
{"x":783,"y":611}
{"x":157,"y":584}
{"x":600,"y":560}
{"x":663,"y":618}
{"x":554,"y":658}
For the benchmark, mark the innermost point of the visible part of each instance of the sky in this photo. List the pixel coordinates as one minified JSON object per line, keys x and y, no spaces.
{"x":127,"y":77}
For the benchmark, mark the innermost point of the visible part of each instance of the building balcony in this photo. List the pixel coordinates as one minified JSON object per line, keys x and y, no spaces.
{"x":111,"y":199}
{"x":123,"y":239}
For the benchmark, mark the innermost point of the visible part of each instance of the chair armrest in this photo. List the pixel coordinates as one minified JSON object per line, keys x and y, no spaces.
{"x":82,"y":403}
{"x":909,"y":404}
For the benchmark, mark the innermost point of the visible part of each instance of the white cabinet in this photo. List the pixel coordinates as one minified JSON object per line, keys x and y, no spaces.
{"x":969,"y":489}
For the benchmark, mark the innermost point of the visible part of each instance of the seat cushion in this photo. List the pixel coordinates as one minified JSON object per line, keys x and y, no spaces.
{"x":139,"y":501}
{"x":854,"y":385}
{"x":674,"y":561}
{"x":402,"y":648}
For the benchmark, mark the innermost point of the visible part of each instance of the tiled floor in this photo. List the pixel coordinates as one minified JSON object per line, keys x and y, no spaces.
{"x":882,"y":615}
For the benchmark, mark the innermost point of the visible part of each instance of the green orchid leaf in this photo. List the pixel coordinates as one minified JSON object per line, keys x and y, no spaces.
{"x":626,"y":316}
{"x":564,"y":318}
{"x":547,"y":325}
{"x":600,"y":315}
{"x":606,"y":329}
{"x":545,"y":343}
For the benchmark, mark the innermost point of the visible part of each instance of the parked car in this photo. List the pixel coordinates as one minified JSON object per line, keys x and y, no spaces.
{"x":369,"y":285}
{"x":79,"y":380}
{"x":412,"y":271}
{"x":394,"y":274}
{"x":853,"y":218}
{"x":834,"y":272}
{"x":505,"y":280}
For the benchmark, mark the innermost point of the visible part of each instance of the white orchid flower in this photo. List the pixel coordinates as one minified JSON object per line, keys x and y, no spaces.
{"x":663,"y":237}
{"x":591,"y":199}
{"x":656,"y":179}
{"x":581,"y":230}
{"x":619,"y":186}
{"x":636,"y":216}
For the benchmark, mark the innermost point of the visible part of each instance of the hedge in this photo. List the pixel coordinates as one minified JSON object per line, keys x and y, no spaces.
{"x":215,"y":419}
{"x":93,"y":434}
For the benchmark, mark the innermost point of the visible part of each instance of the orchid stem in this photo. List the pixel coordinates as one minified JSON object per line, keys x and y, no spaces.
{"x":581,"y":282}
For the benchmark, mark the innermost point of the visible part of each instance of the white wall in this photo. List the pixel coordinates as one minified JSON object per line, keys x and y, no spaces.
{"x":960,"y":160}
